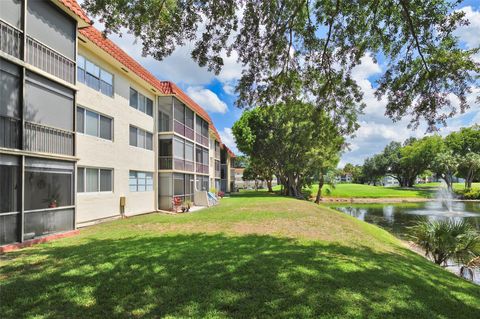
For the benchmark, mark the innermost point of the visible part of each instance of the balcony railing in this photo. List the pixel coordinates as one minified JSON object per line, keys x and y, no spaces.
{"x":189,"y":166}
{"x":178,"y":127}
{"x":189,"y":133}
{"x":201,"y":168}
{"x":10,"y":132}
{"x":50,"y":61}
{"x":183,"y":165}
{"x":202,"y":139}
{"x":183,"y":130}
{"x":40,"y":138}
{"x":10,"y":40}
{"x":217,"y":174}
{"x":165,"y":162}
{"x":217,"y":154}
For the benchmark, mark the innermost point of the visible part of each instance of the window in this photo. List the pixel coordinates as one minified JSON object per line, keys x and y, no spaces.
{"x":163,"y":122}
{"x":183,"y":186}
{"x":141,"y":102}
{"x":179,"y":112}
{"x":202,"y":183}
{"x":189,"y":151}
{"x":141,"y":138}
{"x":140,"y":181}
{"x":198,"y":154}
{"x":92,"y":180}
{"x":94,"y":124}
{"x":178,"y":148}
{"x":48,"y":103}
{"x":94,"y":76}
{"x":48,"y":184}
{"x":189,"y":118}
{"x":165,"y":113}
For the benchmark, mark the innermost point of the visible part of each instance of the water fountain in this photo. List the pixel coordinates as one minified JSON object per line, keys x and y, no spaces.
{"x":445,"y":196}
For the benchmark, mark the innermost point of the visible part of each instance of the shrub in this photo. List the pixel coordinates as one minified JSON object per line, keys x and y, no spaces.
{"x":471,"y":194}
{"x":447,"y":239}
{"x":221,"y":194}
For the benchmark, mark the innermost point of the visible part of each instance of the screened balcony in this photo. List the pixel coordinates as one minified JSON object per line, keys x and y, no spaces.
{"x":201,"y":135}
{"x":183,"y":120}
{"x":201,"y":158}
{"x":217,"y":169}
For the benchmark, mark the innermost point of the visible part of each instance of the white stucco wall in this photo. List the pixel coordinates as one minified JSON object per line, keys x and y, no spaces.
{"x":116,"y":154}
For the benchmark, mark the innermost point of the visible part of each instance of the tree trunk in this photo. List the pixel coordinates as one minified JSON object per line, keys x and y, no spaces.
{"x":469,"y":179}
{"x":269,"y":185}
{"x":319,"y":192}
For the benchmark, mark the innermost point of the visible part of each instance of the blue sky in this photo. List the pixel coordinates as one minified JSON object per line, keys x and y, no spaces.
{"x":215,"y":92}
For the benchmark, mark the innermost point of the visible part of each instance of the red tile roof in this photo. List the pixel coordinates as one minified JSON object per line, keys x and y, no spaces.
{"x":165,"y":87}
{"x":121,"y":56}
{"x":73,"y":6}
{"x":172,"y":88}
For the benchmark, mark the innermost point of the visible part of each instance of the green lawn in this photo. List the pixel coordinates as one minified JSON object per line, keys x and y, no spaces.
{"x":254,"y":256}
{"x":345,"y":190}
{"x":456,"y":186}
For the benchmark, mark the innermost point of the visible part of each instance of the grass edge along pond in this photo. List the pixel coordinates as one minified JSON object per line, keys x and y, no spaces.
{"x":351,"y":190}
{"x":255,"y":255}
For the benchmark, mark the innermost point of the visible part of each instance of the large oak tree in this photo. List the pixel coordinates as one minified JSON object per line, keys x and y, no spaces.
{"x":307,"y":49}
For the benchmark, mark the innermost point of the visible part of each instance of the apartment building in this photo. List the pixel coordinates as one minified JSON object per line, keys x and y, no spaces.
{"x":86,"y":133}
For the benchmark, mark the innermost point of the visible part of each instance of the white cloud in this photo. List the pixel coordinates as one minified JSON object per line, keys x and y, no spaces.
{"x":227,"y":138}
{"x":366,"y":68}
{"x":229,"y":88}
{"x":470,"y":34}
{"x":207,"y":99}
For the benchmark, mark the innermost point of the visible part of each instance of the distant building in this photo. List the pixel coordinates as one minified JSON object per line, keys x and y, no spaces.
{"x":239,"y":183}
{"x":344,"y":178}
{"x":389,"y":181}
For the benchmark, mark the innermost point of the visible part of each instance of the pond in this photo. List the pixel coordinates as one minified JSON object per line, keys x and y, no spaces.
{"x":396,"y":218}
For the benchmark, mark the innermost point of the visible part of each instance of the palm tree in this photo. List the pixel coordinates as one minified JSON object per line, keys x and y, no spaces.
{"x":447,"y":239}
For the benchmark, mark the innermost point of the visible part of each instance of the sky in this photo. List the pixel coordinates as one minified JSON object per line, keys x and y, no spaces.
{"x":215,"y":93}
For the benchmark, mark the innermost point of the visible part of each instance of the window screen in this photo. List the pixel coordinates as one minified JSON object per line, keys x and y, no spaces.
{"x":106,"y":180}
{"x":52,"y":27}
{"x":48,"y":184}
{"x":80,"y":180}
{"x":48,"y":103}
{"x":10,"y":89}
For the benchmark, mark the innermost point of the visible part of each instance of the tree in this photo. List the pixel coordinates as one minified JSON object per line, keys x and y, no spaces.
{"x":241,"y":161}
{"x":418,"y":156}
{"x":326,"y":161}
{"x":357,"y":175}
{"x":292,"y":139}
{"x":469,"y":167}
{"x":466,"y":144}
{"x":292,"y":48}
{"x":250,"y":174}
{"x":348,"y":169}
{"x":445,"y":165}
{"x":373,"y":169}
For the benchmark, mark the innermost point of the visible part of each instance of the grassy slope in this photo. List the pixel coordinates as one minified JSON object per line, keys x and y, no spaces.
{"x":253,"y":256}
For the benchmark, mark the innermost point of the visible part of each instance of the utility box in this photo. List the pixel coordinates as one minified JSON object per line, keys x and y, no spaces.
{"x":123,"y":202}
